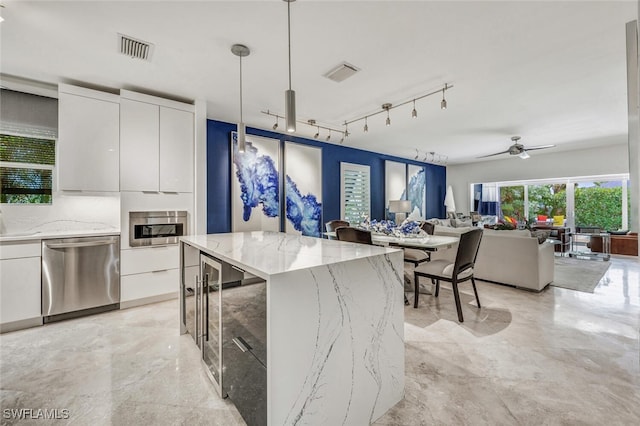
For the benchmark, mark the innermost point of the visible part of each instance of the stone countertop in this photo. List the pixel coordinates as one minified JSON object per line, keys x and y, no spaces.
{"x":264,"y":253}
{"x":44,"y":235}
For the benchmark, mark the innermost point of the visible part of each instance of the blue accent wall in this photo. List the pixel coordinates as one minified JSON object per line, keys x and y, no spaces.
{"x":219,"y":175}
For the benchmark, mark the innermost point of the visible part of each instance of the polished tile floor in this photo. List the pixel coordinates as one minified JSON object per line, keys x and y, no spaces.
{"x":559,"y":357}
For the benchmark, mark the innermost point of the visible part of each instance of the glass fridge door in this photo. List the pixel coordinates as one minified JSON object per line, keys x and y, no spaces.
{"x":211,"y":350}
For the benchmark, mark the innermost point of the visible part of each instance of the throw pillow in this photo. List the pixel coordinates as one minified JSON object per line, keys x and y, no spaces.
{"x":541,"y":235}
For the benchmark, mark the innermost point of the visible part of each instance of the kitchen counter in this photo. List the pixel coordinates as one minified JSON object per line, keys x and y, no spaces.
{"x":43,"y":235}
{"x":270,"y":253}
{"x":334,"y":325}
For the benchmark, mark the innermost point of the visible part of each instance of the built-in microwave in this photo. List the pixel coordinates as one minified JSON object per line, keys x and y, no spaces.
{"x":155,"y":228}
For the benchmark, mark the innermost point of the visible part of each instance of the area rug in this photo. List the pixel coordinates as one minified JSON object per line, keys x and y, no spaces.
{"x":578,"y":274}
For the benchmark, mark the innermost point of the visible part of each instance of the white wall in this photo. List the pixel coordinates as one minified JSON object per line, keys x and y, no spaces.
{"x":612,"y":159}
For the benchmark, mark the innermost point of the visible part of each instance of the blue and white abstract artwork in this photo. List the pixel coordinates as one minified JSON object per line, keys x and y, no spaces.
{"x":256,"y":188}
{"x":416,"y":191}
{"x":303,"y":188}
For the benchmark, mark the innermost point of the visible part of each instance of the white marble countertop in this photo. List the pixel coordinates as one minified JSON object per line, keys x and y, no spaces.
{"x":44,"y":235}
{"x":265,"y":253}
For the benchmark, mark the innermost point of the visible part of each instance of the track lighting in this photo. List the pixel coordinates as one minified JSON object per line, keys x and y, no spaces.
{"x":443,"y":103}
{"x":417,"y":154}
{"x":329,"y":136}
{"x":311,"y":122}
{"x":290,"y":95}
{"x":240,"y":51}
{"x":275,"y":126}
{"x":341,"y":140}
{"x":387,"y":107}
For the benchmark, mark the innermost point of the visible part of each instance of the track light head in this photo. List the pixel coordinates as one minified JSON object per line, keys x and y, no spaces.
{"x":366,"y":125}
{"x":341,"y":140}
{"x":414,"y":113}
{"x":387,"y":107}
{"x":275,"y":126}
{"x":329,"y":136}
{"x":443,"y":103}
{"x":417,"y":154}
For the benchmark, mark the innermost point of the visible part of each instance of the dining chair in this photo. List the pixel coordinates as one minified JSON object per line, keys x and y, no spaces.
{"x":354,"y":235}
{"x":459,"y":271}
{"x":417,"y":256}
{"x":332,"y":225}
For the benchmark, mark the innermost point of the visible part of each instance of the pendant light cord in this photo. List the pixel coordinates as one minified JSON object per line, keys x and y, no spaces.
{"x":289,"y":36}
{"x":241,"y":120}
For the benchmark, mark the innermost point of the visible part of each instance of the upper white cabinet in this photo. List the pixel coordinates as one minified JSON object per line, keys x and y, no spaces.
{"x":156,"y":144}
{"x":88,"y":139}
{"x":176,"y":150}
{"x":139,"y":153}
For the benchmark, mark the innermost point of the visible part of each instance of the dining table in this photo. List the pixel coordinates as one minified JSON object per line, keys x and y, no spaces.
{"x":428,"y":242}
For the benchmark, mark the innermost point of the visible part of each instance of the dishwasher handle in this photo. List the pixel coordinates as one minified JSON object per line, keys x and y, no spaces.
{"x":79,"y":244}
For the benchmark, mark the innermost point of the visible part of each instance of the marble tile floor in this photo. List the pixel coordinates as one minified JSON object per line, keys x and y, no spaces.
{"x":556,"y":357}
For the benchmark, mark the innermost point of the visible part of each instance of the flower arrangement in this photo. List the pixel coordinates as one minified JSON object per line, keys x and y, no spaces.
{"x":389,"y":227}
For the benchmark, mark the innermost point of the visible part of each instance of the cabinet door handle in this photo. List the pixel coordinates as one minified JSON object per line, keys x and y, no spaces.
{"x":206,"y":307}
{"x":241,"y":343}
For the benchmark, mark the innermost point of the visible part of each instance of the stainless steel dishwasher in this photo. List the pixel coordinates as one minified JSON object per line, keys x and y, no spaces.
{"x":80,"y":276}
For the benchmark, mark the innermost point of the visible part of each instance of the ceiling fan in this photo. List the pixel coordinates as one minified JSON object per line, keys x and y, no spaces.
{"x":518,"y":149}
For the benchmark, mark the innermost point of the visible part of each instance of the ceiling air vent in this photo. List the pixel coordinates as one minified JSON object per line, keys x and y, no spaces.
{"x":342,"y":72}
{"x":134,"y":48}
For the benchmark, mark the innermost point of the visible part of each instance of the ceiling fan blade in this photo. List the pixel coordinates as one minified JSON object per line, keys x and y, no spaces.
{"x":533,"y":148}
{"x":491,"y":155}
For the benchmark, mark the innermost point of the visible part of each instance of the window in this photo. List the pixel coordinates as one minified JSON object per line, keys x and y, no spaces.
{"x":28,"y":130}
{"x":26,"y":169}
{"x":355,"y":192}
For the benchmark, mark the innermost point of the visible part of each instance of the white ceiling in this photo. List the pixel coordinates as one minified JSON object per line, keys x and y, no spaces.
{"x":552,"y":72}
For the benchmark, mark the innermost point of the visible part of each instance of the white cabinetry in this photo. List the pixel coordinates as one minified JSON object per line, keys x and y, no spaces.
{"x":88,"y":139}
{"x":149,"y":275}
{"x":20,"y":302}
{"x":156,"y":144}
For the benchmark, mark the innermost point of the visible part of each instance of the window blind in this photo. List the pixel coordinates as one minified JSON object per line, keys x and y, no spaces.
{"x":27,"y":114}
{"x":355,"y":192}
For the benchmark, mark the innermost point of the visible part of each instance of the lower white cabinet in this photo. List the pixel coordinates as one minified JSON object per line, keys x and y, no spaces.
{"x":20,"y":289}
{"x":149,"y":284}
{"x":148,"y":275}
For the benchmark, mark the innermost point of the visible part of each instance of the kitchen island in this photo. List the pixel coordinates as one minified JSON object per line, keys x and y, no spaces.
{"x":330,"y":349}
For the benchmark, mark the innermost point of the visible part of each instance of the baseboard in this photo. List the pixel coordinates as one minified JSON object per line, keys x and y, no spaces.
{"x":19,"y":325}
{"x":148,"y":300}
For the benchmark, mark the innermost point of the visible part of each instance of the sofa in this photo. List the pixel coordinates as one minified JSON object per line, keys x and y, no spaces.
{"x":507,"y":257}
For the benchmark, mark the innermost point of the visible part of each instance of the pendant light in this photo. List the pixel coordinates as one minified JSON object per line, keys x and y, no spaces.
{"x":290,"y":95}
{"x":240,"y":51}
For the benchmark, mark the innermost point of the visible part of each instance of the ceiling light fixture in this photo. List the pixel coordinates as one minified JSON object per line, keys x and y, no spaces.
{"x":311,"y":123}
{"x":240,"y":51}
{"x":346,"y":130}
{"x":290,"y":95}
{"x":1,"y":18}
{"x":387,"y":107}
{"x":443,"y":103}
{"x":275,"y":126}
{"x":329,"y":136}
{"x":417,"y":154}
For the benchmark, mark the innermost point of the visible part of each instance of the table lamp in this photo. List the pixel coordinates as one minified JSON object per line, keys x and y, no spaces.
{"x":400,"y":208}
